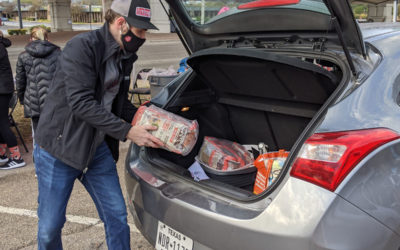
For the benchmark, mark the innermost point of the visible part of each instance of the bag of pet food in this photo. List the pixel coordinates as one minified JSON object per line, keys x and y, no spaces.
{"x":224,"y":155}
{"x":178,"y":134}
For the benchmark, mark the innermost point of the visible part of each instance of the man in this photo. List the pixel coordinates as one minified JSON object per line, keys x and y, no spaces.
{"x":85,"y":114}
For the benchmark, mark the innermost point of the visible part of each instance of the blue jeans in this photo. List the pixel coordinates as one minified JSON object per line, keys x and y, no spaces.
{"x":56,"y":180}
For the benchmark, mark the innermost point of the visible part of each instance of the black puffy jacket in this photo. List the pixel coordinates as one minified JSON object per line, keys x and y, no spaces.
{"x":6,"y":77}
{"x":35,"y":70}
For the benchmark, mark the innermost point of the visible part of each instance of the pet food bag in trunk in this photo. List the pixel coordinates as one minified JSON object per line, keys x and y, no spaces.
{"x":224,"y":155}
{"x":178,"y":134}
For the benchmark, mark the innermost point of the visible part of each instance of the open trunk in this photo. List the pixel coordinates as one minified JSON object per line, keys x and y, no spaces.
{"x":248,"y":96}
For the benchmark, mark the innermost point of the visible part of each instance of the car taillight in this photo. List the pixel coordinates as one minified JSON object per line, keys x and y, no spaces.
{"x":326,"y":158}
{"x":267,"y":3}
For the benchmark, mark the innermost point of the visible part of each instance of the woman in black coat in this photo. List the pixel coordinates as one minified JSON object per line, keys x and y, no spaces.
{"x":35,"y":69}
{"x":7,"y":138}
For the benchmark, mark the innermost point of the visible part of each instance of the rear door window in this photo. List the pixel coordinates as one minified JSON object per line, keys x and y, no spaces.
{"x":207,"y":11}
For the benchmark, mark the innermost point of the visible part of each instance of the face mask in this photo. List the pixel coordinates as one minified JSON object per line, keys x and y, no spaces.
{"x":131,"y":42}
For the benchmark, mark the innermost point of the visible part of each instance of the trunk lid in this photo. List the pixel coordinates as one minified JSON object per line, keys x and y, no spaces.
{"x":204,"y":24}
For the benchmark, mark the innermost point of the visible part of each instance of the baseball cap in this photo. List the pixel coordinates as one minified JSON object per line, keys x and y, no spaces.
{"x":136,"y":12}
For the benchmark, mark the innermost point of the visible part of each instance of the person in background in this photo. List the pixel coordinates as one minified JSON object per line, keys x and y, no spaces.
{"x":7,"y":138}
{"x":35,"y":69}
{"x":86,"y":113}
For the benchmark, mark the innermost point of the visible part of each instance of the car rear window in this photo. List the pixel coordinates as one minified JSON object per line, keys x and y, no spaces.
{"x":207,"y":11}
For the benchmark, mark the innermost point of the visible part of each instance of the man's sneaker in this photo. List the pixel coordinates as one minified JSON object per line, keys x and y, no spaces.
{"x":13,"y":163}
{"x":3,"y":159}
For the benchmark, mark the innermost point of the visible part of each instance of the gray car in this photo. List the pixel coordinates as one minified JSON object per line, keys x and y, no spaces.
{"x":299,"y":76}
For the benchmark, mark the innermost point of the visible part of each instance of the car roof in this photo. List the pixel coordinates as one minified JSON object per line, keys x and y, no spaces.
{"x":372,"y":1}
{"x":370,"y":30}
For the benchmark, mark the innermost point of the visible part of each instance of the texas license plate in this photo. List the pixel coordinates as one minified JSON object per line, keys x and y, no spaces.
{"x":170,"y":239}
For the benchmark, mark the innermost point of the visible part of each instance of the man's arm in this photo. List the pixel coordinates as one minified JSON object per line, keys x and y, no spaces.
{"x":80,"y":77}
{"x":78,"y":63}
{"x":128,"y":110}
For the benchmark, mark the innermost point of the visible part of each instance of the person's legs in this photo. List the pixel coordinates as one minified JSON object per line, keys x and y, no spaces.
{"x":4,"y":127}
{"x":55,"y":182}
{"x":102,"y":183}
{"x":8,"y":136}
{"x":5,"y":131}
{"x":3,"y":151}
{"x":34,"y":123}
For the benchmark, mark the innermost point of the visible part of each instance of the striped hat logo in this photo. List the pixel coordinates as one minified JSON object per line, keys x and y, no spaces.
{"x":144,"y":12}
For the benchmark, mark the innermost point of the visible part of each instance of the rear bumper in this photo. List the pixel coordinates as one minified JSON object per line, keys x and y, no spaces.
{"x":300,"y":216}
{"x":149,"y":228}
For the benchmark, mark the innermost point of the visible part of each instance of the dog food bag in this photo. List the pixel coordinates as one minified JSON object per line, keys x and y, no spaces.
{"x":269,"y":166}
{"x":178,"y":134}
{"x":224,"y":155}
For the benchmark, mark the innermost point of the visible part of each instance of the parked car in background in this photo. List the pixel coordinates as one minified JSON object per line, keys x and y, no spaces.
{"x":298,"y":76}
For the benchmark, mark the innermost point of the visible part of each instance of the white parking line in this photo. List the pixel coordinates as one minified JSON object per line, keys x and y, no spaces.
{"x":70,"y":218}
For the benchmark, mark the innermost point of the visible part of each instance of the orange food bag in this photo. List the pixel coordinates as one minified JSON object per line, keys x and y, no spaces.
{"x":265,"y":164}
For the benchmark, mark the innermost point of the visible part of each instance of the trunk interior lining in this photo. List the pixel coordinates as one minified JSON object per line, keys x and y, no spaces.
{"x":274,"y":106}
{"x":265,"y":75}
{"x":232,"y":123}
{"x":249,"y":97}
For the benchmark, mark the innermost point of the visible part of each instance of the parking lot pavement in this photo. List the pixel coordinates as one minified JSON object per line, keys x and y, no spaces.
{"x":83,"y":229}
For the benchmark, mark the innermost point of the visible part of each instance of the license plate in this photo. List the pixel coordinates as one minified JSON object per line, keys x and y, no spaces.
{"x":170,"y":239}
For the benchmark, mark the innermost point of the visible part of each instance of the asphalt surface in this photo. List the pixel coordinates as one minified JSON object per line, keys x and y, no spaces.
{"x":18,"y":187}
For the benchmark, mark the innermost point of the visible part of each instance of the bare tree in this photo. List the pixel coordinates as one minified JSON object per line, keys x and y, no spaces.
{"x":8,"y":7}
{"x":37,"y":4}
{"x":76,"y":9}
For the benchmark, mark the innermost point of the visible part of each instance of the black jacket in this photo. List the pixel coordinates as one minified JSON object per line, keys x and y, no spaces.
{"x":35,"y":70}
{"x":73,"y":118}
{"x":6,"y":76}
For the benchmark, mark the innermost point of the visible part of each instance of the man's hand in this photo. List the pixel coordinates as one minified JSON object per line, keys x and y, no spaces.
{"x":141,"y":136}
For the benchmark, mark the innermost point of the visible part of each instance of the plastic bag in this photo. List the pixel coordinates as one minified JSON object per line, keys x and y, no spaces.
{"x":224,"y":155}
{"x":178,"y":134}
{"x":159,"y":72}
{"x":197,"y":172}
